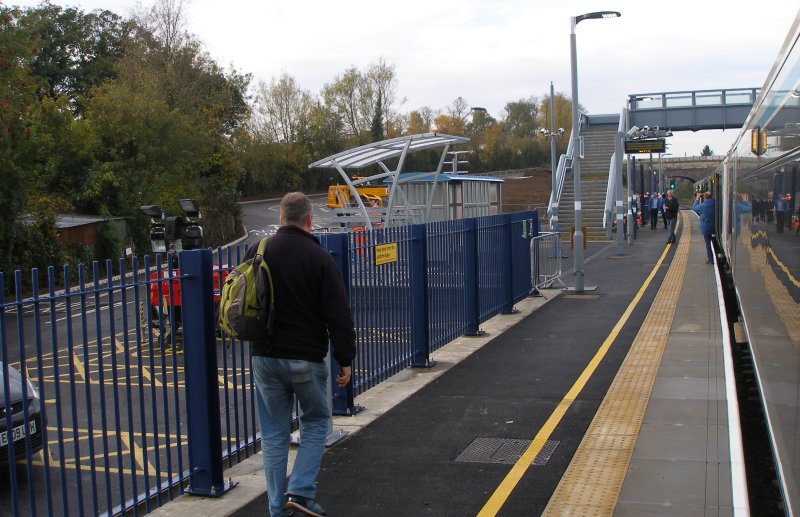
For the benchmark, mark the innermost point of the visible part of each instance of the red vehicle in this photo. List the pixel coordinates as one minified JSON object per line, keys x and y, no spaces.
{"x":165,"y":299}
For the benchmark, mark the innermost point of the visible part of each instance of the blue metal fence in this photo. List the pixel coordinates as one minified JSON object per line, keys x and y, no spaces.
{"x":141,"y":400}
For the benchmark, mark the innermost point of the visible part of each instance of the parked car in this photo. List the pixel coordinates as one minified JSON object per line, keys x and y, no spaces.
{"x":13,"y":401}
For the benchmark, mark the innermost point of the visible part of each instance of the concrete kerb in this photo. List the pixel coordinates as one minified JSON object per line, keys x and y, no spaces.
{"x":378,"y":400}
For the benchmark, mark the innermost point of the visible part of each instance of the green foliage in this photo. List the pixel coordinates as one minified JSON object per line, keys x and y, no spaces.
{"x":100,"y":115}
{"x":707,"y":151}
{"x":109,"y":244}
{"x":522,"y":118}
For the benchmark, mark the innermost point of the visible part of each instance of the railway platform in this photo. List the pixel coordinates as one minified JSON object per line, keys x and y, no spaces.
{"x":609,"y":402}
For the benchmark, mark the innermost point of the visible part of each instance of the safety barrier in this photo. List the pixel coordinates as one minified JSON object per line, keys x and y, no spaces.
{"x":142,"y":400}
{"x":546,"y":256}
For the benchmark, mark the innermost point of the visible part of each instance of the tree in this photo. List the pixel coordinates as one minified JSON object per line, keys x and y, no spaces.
{"x":74,"y":51}
{"x":707,"y":151}
{"x":17,"y":97}
{"x":354,"y":98}
{"x":282,"y":110}
{"x":481,"y":120}
{"x":377,"y":121}
{"x":420,"y":121}
{"x":522,"y":117}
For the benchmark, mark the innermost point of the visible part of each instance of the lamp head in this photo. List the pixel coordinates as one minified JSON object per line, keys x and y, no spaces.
{"x":154,"y":211}
{"x":190,"y":208}
{"x":593,"y":16}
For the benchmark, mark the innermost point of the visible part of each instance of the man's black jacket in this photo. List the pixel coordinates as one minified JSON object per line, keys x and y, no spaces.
{"x":311,"y":302}
{"x":671,"y":208}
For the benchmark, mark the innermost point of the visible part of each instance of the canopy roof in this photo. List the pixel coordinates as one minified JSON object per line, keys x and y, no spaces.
{"x":370,"y":154}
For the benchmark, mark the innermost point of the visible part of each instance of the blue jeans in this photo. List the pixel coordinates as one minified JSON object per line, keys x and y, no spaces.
{"x":277,"y":381}
{"x":671,"y":228}
{"x":709,"y":250}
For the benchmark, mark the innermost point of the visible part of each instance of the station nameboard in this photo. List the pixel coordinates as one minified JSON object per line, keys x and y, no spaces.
{"x":645,"y":146}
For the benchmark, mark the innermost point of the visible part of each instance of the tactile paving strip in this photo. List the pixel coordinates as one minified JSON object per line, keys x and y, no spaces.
{"x":593,"y":481}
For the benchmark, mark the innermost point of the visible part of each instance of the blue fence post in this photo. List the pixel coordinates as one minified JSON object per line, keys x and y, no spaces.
{"x":419,"y":297}
{"x":507,"y":267}
{"x":471,"y":291}
{"x":342,"y":399}
{"x":202,"y":384}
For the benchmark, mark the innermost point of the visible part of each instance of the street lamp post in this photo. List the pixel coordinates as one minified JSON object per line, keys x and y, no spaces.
{"x":576,"y":148}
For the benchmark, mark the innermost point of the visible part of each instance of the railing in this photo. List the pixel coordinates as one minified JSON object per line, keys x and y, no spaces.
{"x":546,"y":255}
{"x":696,"y":98}
{"x":613,"y":204}
{"x":140,"y":400}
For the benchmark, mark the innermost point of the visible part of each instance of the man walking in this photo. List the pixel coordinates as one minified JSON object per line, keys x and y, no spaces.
{"x":704,"y":206}
{"x":311,"y":309}
{"x":780,"y":211}
{"x":671,"y":207}
{"x":654,"y":204}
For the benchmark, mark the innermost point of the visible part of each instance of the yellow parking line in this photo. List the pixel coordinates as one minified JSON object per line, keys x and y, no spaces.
{"x":137,"y":453}
{"x":503,"y":491}
{"x":224,"y":382}
{"x":76,"y":361}
{"x":143,"y":369}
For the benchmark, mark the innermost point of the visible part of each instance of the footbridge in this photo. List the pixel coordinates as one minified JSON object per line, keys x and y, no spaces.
{"x":691,"y":110}
{"x":649,"y":118}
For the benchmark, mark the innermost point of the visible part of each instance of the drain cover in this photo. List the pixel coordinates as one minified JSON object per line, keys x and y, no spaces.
{"x":504,"y":451}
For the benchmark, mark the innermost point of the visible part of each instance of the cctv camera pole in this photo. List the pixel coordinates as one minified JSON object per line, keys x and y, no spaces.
{"x":553,"y":161}
{"x":632,"y":219}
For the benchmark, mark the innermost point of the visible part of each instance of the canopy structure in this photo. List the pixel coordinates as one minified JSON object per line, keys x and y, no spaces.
{"x":393,"y":213}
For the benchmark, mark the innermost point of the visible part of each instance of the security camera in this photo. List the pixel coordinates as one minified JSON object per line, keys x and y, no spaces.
{"x":633,"y":131}
{"x":655,"y":128}
{"x":647,"y":128}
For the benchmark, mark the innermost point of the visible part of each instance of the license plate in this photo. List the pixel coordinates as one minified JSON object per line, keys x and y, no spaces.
{"x":18,"y":433}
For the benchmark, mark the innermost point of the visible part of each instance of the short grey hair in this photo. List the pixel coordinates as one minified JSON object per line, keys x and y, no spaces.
{"x":295,"y":209}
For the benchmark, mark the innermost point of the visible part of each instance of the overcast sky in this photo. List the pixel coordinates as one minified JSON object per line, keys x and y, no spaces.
{"x":491,"y":52}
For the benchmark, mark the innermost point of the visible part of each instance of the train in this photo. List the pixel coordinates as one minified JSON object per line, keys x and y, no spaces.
{"x":757,"y":243}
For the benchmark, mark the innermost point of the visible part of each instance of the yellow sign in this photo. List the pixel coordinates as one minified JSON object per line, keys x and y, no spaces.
{"x":758,"y":141}
{"x":385,"y":254}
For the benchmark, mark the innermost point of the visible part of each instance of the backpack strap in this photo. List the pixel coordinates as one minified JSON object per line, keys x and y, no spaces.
{"x":262,"y":245}
{"x":264,"y":268}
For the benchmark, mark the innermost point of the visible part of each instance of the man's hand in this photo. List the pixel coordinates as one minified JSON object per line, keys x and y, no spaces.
{"x":344,"y":376}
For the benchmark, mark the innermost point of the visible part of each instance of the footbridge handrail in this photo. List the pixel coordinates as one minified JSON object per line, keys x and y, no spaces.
{"x":564,"y":162}
{"x":613,"y":178}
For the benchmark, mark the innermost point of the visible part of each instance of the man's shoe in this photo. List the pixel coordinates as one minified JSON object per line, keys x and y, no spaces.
{"x":304,"y":505}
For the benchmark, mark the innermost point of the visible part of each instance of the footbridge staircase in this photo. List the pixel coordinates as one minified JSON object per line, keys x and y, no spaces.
{"x":598,"y":145}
